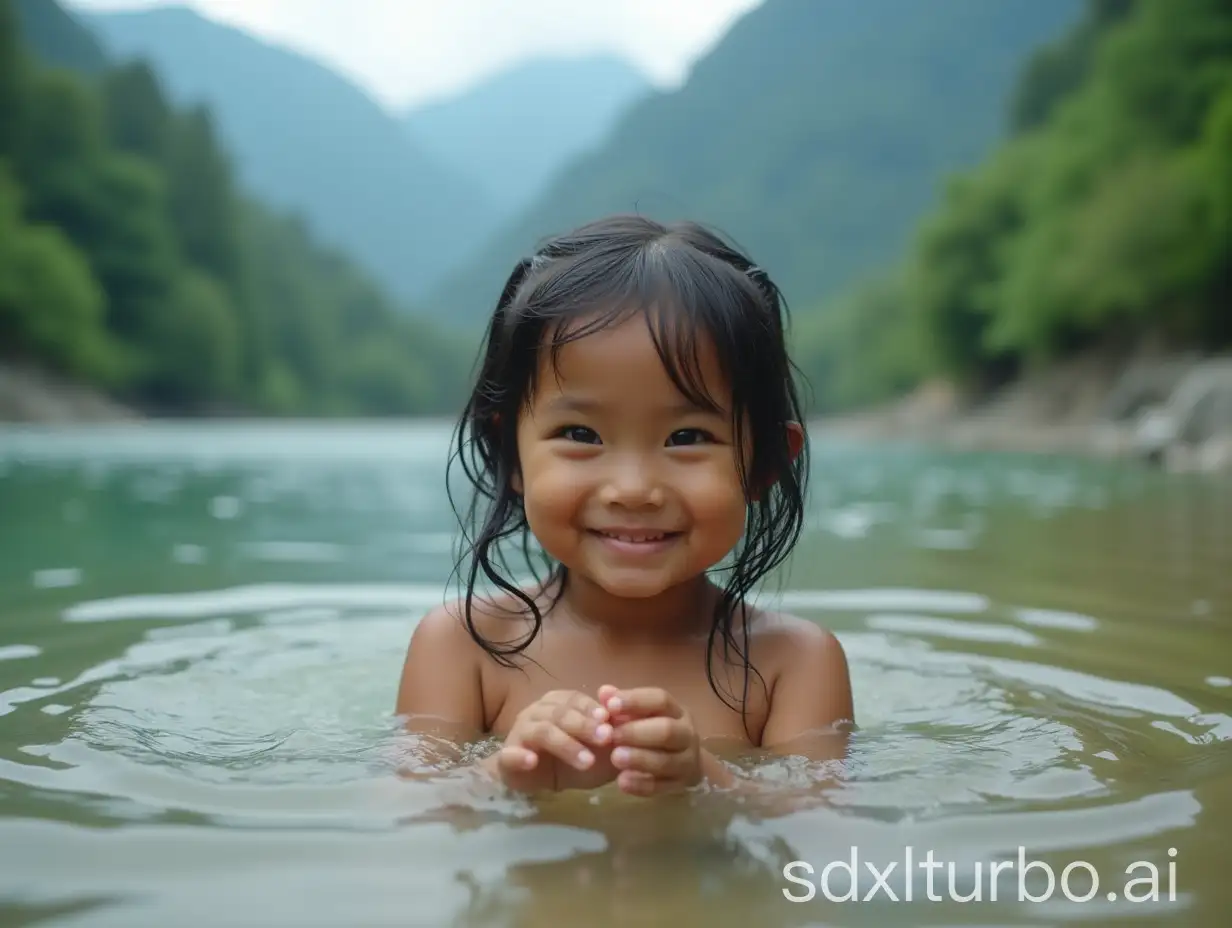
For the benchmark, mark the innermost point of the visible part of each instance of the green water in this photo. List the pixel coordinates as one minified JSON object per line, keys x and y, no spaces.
{"x":201,"y":629}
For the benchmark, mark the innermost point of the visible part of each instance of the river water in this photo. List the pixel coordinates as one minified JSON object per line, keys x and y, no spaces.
{"x":201,"y":629}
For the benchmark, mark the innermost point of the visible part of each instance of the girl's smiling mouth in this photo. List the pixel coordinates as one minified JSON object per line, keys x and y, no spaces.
{"x":635,"y":541}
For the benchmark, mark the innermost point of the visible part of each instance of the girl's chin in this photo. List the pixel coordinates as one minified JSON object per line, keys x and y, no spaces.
{"x":623,"y":586}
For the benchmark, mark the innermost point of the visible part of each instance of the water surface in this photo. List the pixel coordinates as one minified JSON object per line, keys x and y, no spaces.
{"x":201,"y":629}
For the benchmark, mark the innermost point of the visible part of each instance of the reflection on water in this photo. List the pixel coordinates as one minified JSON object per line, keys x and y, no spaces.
{"x":201,"y":629}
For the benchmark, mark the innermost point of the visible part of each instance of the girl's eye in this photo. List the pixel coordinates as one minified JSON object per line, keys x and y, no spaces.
{"x":580,"y":433}
{"x":689,"y":437}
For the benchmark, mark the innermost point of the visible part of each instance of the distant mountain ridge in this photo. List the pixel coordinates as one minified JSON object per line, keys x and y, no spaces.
{"x":132,"y":260}
{"x":513,"y":131}
{"x":308,"y":140}
{"x":56,"y":38}
{"x":815,"y":133}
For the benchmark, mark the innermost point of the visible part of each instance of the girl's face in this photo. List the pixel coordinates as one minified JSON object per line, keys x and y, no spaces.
{"x":624,"y":481}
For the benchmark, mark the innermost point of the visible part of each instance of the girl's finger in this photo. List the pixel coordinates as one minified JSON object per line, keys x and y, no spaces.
{"x":572,"y":699}
{"x":659,"y":732}
{"x":588,"y":707}
{"x":636,"y":783}
{"x":582,"y":727}
{"x":514,"y":759}
{"x":644,"y":760}
{"x":552,"y":739}
{"x":642,"y":702}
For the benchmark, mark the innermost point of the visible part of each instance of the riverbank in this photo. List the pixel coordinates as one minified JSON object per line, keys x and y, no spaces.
{"x":1171,"y":409}
{"x":29,"y":395}
{"x":1175,"y":410}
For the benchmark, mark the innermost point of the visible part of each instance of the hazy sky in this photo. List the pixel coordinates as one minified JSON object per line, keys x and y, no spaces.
{"x":405,"y":51}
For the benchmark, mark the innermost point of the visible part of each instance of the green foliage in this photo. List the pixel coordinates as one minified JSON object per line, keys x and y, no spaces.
{"x":202,"y":199}
{"x":864,"y":350}
{"x":959,"y":259}
{"x":129,"y":255}
{"x":1059,"y":68}
{"x":309,"y":140}
{"x":195,"y":344}
{"x":129,"y":258}
{"x":51,"y":307}
{"x":1121,"y":257}
{"x":139,"y":121}
{"x":1105,"y":218}
{"x":10,"y":80}
{"x":1211,"y":163}
{"x":1113,"y":234}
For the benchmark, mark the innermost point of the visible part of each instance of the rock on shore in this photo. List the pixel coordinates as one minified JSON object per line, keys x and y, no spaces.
{"x":29,"y":395}
{"x":1172,"y":410}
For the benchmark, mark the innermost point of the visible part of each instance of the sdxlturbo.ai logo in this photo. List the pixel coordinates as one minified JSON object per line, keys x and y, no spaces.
{"x":1023,"y":879}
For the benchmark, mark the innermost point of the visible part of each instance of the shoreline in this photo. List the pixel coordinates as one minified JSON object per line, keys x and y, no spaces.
{"x":32,"y":396}
{"x":1170,"y":410}
{"x":1096,"y":405}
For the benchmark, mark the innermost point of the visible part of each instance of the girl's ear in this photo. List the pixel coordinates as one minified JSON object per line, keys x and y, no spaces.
{"x":795,"y":444}
{"x":795,"y":440}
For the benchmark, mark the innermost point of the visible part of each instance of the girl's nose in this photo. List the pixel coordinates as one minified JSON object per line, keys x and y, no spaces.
{"x":631,"y":483}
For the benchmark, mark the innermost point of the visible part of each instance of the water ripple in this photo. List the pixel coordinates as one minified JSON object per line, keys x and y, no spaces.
{"x":201,"y":719}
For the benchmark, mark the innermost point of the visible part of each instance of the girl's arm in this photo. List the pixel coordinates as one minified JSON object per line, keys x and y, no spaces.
{"x":441,"y":696}
{"x":812,"y":696}
{"x":439,"y":693}
{"x":811,"y":716}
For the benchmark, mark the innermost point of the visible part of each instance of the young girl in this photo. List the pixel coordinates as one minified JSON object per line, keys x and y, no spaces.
{"x":635,"y":419}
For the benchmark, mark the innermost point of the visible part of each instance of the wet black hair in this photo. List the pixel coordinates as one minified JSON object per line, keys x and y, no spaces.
{"x":690,"y":285}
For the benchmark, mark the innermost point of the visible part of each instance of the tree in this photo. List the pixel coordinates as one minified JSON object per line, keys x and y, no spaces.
{"x":51,"y":307}
{"x":1103,"y":220}
{"x":1061,"y":67}
{"x":138,"y":119}
{"x":202,"y":198}
{"x":193,"y":363}
{"x":12,"y":73}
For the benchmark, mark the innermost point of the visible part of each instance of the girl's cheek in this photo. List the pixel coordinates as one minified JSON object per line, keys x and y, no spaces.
{"x":713,"y":488}
{"x":556,"y":484}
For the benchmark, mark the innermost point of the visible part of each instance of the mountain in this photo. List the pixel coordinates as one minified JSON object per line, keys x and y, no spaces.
{"x":1095,"y":236}
{"x":815,"y":133}
{"x":132,"y":262}
{"x":55,"y":38}
{"x":307,"y":140}
{"x":512,"y":132}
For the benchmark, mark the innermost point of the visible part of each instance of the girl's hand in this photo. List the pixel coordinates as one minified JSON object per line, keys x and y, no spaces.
{"x":562,"y":741}
{"x":656,"y":747}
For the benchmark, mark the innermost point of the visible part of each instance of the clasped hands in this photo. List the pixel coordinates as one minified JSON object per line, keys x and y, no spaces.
{"x":642,"y":739}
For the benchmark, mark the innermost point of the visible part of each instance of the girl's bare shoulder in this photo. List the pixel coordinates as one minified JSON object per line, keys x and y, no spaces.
{"x":811,"y":680}
{"x":498,"y":619}
{"x":786,"y":640}
{"x":446,"y":662}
